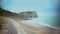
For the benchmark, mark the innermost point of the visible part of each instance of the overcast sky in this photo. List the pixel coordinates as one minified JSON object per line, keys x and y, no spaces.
{"x":40,"y":6}
{"x":30,"y":5}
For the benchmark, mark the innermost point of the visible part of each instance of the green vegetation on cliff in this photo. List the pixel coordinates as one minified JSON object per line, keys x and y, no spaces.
{"x":7,"y":13}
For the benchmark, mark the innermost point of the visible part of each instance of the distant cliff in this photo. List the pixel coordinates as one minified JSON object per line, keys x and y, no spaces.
{"x":23,"y":15}
{"x":28,"y":14}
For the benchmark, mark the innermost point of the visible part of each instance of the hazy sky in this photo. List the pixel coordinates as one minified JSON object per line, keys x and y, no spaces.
{"x":40,"y":6}
{"x":29,"y":5}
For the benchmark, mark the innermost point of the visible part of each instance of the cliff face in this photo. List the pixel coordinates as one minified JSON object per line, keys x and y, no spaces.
{"x":23,"y":15}
{"x":28,"y":14}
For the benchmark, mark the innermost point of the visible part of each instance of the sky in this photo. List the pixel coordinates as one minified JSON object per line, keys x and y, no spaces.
{"x":46,"y":9}
{"x":42,"y":7}
{"x":30,"y":5}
